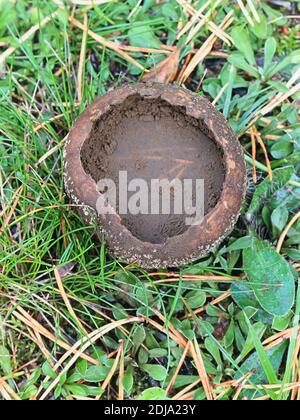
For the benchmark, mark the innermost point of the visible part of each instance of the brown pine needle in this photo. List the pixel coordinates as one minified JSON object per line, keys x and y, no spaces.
{"x":195,"y":17}
{"x":2,"y":213}
{"x":181,"y":361}
{"x":179,"y":340}
{"x":213,"y":302}
{"x":131,"y":48}
{"x":134,"y":10}
{"x":63,"y":231}
{"x":187,"y":7}
{"x":4,"y":393}
{"x":85,"y":343}
{"x":111,"y":372}
{"x":206,"y":47}
{"x":211,"y":25}
{"x":50,"y":153}
{"x":177,"y":334}
{"x":204,"y":279}
{"x":274,"y":339}
{"x":186,"y":63}
{"x":37,"y":339}
{"x":254,"y":154}
{"x":175,"y":278}
{"x":107,"y":43}
{"x":281,"y":97}
{"x":82,"y":58}
{"x":240,"y":388}
{"x":286,"y":388}
{"x":286,"y":231}
{"x":199,"y":20}
{"x":245,"y":12}
{"x":293,"y":79}
{"x":23,"y":316}
{"x":66,"y":300}
{"x":220,"y":94}
{"x":196,"y":353}
{"x":268,"y":122}
{"x":253,"y":10}
{"x":263,"y":146}
{"x":44,"y":124}
{"x":8,"y":390}
{"x":183,"y":392}
{"x":218,"y":54}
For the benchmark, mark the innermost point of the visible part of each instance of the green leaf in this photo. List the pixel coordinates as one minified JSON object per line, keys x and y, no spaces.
{"x":128,"y":382}
{"x":5,"y":360}
{"x":57,"y":392}
{"x":48,"y":371}
{"x":243,"y":43}
{"x":158,"y":353}
{"x":94,"y":391}
{"x":196,"y":299}
{"x":260,"y":29}
{"x":138,"y":336}
{"x":153,"y":394}
{"x":244,"y":296}
{"x":168,"y":10}
{"x":143,"y":36}
{"x":270,"y":277}
{"x":259,"y":329}
{"x":28,"y":392}
{"x":225,"y":78}
{"x":63,"y":378}
{"x":279,"y":218}
{"x":33,"y":378}
{"x":263,"y":356}
{"x":294,"y":254}
{"x":281,"y":177}
{"x":96,"y":373}
{"x":239,"y":62}
{"x":184,"y":380}
{"x":143,"y":356}
{"x":270,"y":51}
{"x":231,"y":80}
{"x":241,"y":243}
{"x":82,"y":367}
{"x":293,"y":58}
{"x":253,"y":364}
{"x":282,"y":149}
{"x":78,"y":390}
{"x":229,"y":336}
{"x":281,"y":323}
{"x":275,"y":16}
{"x":156,"y":372}
{"x":214,"y":350}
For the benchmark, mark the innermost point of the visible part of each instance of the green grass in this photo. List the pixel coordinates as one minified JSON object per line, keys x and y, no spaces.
{"x":41,"y":231}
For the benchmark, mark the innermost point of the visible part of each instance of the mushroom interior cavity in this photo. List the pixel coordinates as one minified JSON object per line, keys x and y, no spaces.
{"x":150,"y":140}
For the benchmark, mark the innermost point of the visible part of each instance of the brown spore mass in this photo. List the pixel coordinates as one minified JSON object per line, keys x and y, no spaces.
{"x":151,"y":139}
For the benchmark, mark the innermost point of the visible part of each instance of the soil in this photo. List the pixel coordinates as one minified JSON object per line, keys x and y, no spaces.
{"x":151,"y":139}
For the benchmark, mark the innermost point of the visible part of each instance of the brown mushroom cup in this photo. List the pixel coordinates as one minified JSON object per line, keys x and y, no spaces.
{"x":163,"y":131}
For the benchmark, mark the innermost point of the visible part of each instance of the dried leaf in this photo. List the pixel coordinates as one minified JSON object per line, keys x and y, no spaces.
{"x":66,"y":270}
{"x":165,"y":70}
